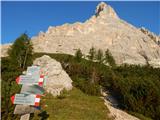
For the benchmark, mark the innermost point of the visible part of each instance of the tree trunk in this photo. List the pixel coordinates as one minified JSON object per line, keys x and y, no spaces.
{"x":93,"y":77}
{"x":25,"y":58}
{"x":20,"y":61}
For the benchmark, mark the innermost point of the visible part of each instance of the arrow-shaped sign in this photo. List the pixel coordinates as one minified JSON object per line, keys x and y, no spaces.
{"x":26,"y":99}
{"x":30,"y":79}
{"x":33,"y":70}
{"x":32,"y":89}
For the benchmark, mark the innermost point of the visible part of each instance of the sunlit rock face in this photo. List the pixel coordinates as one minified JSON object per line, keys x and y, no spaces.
{"x":103,"y":10}
{"x":4,"y":49}
{"x":154,"y":37}
{"x":104,"y":30}
{"x":57,"y":79}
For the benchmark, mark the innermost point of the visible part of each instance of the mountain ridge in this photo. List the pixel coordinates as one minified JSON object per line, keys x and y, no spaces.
{"x":104,"y":30}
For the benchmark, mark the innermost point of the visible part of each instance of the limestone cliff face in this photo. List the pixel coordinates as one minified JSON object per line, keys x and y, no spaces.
{"x":4,"y":49}
{"x":155,"y":38}
{"x":104,"y":30}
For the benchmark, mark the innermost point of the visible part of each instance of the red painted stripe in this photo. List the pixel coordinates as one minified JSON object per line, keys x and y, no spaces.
{"x":12,"y":99}
{"x":17,"y":80}
{"x":38,"y":96}
{"x":36,"y":103}
{"x":41,"y":76}
{"x":40,"y":83}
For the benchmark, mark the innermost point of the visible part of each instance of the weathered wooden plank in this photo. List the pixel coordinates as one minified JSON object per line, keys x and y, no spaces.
{"x":31,"y":80}
{"x":32,"y":89}
{"x":26,"y":99}
{"x":32,"y":70}
{"x":28,"y":79}
{"x":24,"y":109}
{"x":25,"y":117}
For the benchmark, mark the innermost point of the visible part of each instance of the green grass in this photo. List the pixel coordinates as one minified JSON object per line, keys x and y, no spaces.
{"x":136,"y":86}
{"x":74,"y":105}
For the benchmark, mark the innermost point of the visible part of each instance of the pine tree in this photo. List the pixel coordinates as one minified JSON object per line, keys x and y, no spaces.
{"x":92,"y":53}
{"x":78,"y":55}
{"x":109,"y":58}
{"x":99,"y":56}
{"x":20,"y":56}
{"x":21,"y":52}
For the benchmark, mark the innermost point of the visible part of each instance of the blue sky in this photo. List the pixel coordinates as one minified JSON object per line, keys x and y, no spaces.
{"x":33,"y":17}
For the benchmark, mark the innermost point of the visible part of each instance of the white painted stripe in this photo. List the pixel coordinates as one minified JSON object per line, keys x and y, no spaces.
{"x":37,"y":99}
{"x":34,"y":96}
{"x":40,"y":79}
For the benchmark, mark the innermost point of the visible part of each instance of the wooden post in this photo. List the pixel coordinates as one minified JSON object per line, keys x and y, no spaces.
{"x":25,"y":117}
{"x":24,"y":109}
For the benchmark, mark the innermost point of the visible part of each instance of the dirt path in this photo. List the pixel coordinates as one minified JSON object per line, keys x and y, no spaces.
{"x":115,"y":112}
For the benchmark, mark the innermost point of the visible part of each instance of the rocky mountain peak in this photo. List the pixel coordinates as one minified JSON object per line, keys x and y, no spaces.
{"x":104,"y":10}
{"x":104,"y":30}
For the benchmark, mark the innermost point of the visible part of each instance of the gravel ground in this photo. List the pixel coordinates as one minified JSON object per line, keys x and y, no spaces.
{"x":115,"y":112}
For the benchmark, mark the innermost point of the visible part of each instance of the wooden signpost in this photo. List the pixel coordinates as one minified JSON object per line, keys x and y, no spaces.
{"x":30,"y":79}
{"x":26,"y":99}
{"x":33,"y":70}
{"x":31,"y":91}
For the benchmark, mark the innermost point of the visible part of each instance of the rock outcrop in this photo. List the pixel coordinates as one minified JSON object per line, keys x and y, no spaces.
{"x":57,"y":78}
{"x":154,"y":37}
{"x":4,"y":49}
{"x":104,"y":30}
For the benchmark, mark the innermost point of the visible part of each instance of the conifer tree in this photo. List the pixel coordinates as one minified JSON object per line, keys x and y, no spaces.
{"x":99,"y":56}
{"x":20,"y":56}
{"x":109,"y":58}
{"x":78,"y":55}
{"x":21,"y":51}
{"x":92,"y":53}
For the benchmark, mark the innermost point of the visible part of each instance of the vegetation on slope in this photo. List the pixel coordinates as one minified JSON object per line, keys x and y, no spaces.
{"x":137,"y":87}
{"x":76,"y":104}
{"x":72,"y":105}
